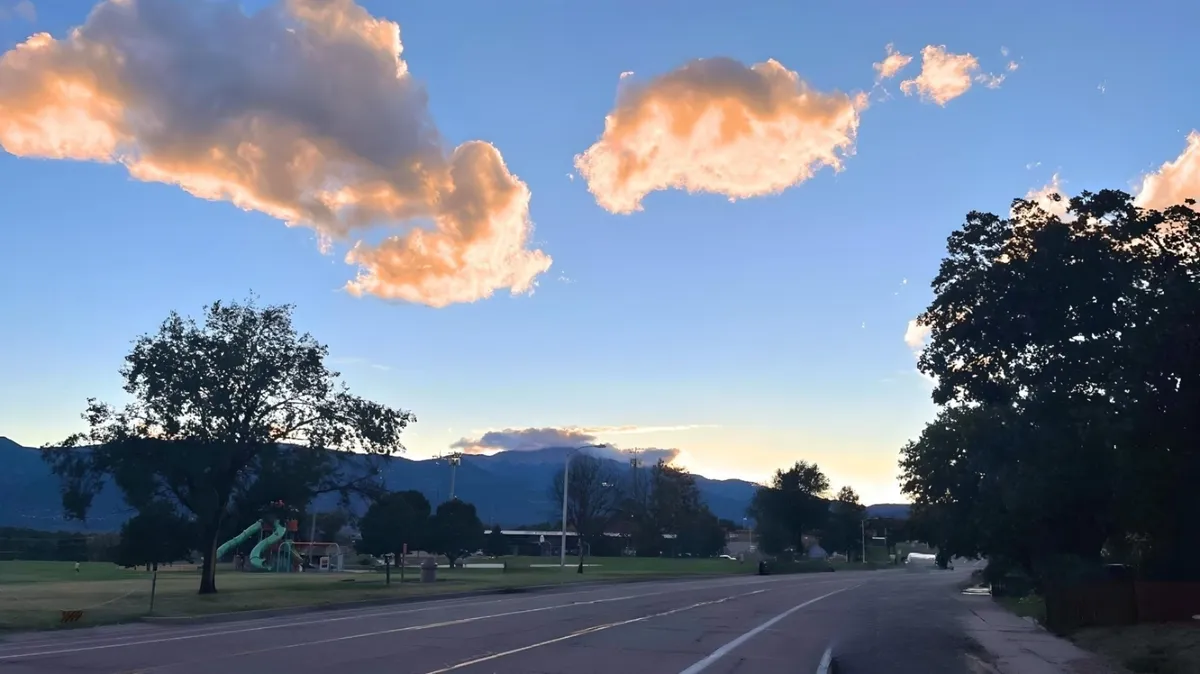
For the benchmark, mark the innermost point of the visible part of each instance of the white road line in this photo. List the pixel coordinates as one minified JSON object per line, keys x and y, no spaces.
{"x":587,"y":630}
{"x":8,"y":654}
{"x":826,"y":661}
{"x":721,"y":652}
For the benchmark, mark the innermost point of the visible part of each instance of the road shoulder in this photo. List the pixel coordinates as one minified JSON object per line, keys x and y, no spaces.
{"x":1015,"y":645}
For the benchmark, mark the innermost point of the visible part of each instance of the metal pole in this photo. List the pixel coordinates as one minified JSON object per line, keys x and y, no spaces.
{"x":312,"y":536}
{"x":153,"y":587}
{"x":562,"y":551}
{"x":863,"y":528}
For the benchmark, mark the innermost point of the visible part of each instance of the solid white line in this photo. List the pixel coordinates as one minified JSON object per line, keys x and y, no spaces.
{"x":265,"y":624}
{"x":826,"y":661}
{"x":721,"y":652}
{"x":585,"y":631}
{"x":408,"y":629}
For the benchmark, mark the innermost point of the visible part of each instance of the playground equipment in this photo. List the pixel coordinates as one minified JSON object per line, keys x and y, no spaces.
{"x":275,"y":549}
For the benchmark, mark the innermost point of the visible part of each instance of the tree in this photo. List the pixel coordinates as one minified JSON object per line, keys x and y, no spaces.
{"x":456,"y":530}
{"x":1063,"y":347}
{"x":495,"y":545}
{"x":701,"y":534}
{"x":330,"y":524}
{"x":594,"y":496}
{"x":219,"y":406}
{"x":156,"y":535}
{"x":393,"y":520}
{"x":843,"y":533}
{"x":790,"y":506}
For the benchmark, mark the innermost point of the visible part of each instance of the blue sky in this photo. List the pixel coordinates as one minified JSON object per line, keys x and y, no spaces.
{"x":748,"y":334}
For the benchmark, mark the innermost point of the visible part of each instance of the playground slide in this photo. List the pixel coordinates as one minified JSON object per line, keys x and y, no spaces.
{"x":238,"y":540}
{"x":256,"y":555}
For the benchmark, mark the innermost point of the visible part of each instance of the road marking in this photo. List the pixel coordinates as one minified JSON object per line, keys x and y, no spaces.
{"x":826,"y":661}
{"x":466,"y":603}
{"x":721,"y":652}
{"x":588,"y":630}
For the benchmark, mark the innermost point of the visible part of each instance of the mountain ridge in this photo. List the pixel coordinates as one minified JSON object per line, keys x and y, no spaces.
{"x":510,"y":488}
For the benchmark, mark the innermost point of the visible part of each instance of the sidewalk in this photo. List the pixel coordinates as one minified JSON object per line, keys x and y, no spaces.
{"x":1019,"y":646}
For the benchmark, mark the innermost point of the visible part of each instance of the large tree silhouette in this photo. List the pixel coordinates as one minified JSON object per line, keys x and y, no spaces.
{"x":219,"y":405}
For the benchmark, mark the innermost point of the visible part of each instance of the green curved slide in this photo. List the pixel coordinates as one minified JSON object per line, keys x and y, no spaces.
{"x":256,"y":555}
{"x":239,"y":539}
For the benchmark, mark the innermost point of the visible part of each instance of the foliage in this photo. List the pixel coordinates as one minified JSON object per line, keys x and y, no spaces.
{"x":789,"y":507}
{"x":495,"y":545}
{"x":594,"y":495}
{"x":456,"y":530}
{"x":330,"y":524}
{"x":393,"y":520}
{"x":667,"y":501}
{"x":843,"y":532}
{"x":1064,"y":348}
{"x":156,"y":535}
{"x":226,"y":411}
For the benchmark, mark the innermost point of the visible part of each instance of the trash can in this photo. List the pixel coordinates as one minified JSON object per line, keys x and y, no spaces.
{"x":429,"y":570}
{"x":762,"y":567}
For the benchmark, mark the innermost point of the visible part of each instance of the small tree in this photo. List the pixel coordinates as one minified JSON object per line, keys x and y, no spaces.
{"x":495,"y":544}
{"x":394,"y":519}
{"x":217,"y":407}
{"x":456,"y":530}
{"x":157,"y":535}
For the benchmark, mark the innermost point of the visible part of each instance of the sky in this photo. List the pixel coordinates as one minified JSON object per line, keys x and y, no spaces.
{"x":695,"y":227}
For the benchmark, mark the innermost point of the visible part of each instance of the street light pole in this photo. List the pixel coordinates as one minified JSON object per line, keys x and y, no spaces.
{"x":863,"y":528}
{"x":562,"y":548}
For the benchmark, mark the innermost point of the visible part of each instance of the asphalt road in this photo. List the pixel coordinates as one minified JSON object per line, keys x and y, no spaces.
{"x":883,"y":621}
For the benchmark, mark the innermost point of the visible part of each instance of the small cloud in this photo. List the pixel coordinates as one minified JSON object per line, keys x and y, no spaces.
{"x":903,"y":281}
{"x":944,"y":76}
{"x":1032,"y":165}
{"x":1004,"y":51}
{"x":563,"y":278}
{"x":1174,"y":181}
{"x":25,"y":10}
{"x":1045,"y":197}
{"x":718,"y":126}
{"x":1102,"y":87}
{"x":627,"y":73}
{"x":1012,"y":66}
{"x":989,"y":80}
{"x":864,"y":325}
{"x":916,"y":335}
{"x":892,"y":64}
{"x":355,"y":361}
{"x":534,"y":439}
{"x":571,"y":177}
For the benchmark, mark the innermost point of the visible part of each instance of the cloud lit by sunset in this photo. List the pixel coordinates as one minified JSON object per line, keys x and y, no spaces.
{"x":717,"y":126}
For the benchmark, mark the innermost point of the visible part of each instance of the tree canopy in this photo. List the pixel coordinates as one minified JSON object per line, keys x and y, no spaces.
{"x":222,"y":407}
{"x":393,"y":520}
{"x":791,"y":505}
{"x":456,"y":530}
{"x":1064,"y":350}
{"x":156,"y":535}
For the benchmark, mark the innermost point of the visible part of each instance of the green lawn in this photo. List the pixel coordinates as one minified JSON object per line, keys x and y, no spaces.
{"x":32,"y":594}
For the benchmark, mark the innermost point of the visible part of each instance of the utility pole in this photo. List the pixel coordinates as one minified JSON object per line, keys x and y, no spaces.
{"x":863,"y":528}
{"x":455,"y":459}
{"x":312,"y":536}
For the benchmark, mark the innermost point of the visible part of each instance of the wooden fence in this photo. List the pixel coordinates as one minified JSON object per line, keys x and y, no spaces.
{"x":1120,"y":602}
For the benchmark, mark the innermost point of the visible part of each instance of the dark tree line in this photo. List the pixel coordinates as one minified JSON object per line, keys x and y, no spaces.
{"x":405,"y":518}
{"x":228,"y":413}
{"x":1066,"y":351}
{"x":640,"y":502}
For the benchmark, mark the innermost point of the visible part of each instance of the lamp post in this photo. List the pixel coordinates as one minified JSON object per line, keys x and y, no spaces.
{"x":562,"y":550}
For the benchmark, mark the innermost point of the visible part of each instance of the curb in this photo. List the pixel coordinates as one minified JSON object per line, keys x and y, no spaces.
{"x":235,"y":616}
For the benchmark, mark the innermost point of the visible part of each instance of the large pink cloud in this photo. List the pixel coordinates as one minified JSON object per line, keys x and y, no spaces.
{"x":304,"y":111}
{"x":1175,"y":181}
{"x":533,"y":439}
{"x":718,"y":126}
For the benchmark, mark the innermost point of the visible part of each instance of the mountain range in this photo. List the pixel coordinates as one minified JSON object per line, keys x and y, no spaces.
{"x":509,"y":488}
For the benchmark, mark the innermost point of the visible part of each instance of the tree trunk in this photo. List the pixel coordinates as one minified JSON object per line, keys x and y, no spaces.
{"x":208,"y":568}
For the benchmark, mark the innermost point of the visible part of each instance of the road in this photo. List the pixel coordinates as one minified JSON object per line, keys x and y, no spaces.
{"x":895,"y":621}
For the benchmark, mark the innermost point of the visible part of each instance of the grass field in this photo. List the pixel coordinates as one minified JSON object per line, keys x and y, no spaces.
{"x":33,"y":594}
